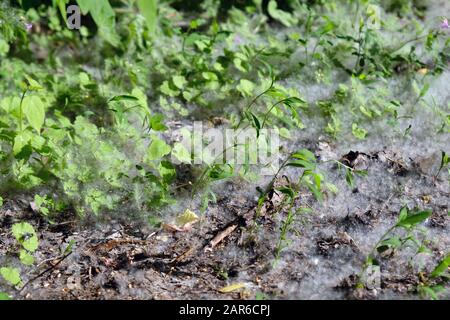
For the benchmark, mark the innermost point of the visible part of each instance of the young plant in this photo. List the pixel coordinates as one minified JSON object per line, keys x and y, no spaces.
{"x":433,"y":284}
{"x":27,"y":239}
{"x":311,"y":179}
{"x":393,"y":239}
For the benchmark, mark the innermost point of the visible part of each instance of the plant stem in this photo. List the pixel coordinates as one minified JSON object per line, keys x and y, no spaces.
{"x":372,"y":252}
{"x":21,"y":110}
{"x":270,"y":109}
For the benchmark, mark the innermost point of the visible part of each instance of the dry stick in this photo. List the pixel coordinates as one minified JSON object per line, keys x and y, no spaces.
{"x":64,"y":257}
{"x":221,"y":236}
{"x":45,"y":271}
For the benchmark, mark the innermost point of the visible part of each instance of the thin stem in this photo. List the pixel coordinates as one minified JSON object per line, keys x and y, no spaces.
{"x":372,"y":252}
{"x":249,"y":106}
{"x":21,"y":110}
{"x":339,"y":163}
{"x":405,"y":43}
{"x":259,"y":95}
{"x":271,"y":108}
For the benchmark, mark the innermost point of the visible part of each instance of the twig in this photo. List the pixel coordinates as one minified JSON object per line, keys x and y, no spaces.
{"x":221,"y":236}
{"x":45,"y":271}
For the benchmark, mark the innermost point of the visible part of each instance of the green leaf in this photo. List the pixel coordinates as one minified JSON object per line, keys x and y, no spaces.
{"x":12,"y":275}
{"x":332,"y":187}
{"x":245,"y":87}
{"x":304,"y":154}
{"x":403,"y":214}
{"x":393,"y":242}
{"x":442,"y":267}
{"x":166,"y":89}
{"x":256,"y":124}
{"x":179,"y":81}
{"x":181,"y":153}
{"x":123,"y":97}
{"x":149,"y":9}
{"x":287,"y":191}
{"x":349,"y":177}
{"x":142,"y":97}
{"x":424,"y":90}
{"x":4,"y":296}
{"x":25,"y":235}
{"x":283,"y":17}
{"x":32,"y":84}
{"x":219,"y":172}
{"x":315,"y":189}
{"x":187,"y":217}
{"x":302,"y":164}
{"x":26,"y":258}
{"x":294,"y":101}
{"x":158,"y":149}
{"x":104,"y":16}
{"x":20,"y":141}
{"x":361,"y":173}
{"x":429,"y":292}
{"x":358,"y":132}
{"x":414,"y":219}
{"x":61,"y":4}
{"x":69,"y":247}
{"x":34,"y":110}
{"x":156,"y":123}
{"x":167,"y":171}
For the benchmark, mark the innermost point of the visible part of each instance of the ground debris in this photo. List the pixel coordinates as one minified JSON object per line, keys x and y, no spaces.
{"x":327,"y":244}
{"x":221,"y":236}
{"x":356,"y":159}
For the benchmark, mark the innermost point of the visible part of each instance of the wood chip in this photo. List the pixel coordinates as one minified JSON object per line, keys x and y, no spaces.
{"x":221,"y":236}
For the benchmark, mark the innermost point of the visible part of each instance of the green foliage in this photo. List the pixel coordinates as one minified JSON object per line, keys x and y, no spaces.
{"x":26,"y":236}
{"x":104,"y":16}
{"x":434,"y":283}
{"x":394,"y":239}
{"x":149,"y":9}
{"x":12,"y":27}
{"x":81,"y":113}
{"x":4,"y":296}
{"x":11,"y":275}
{"x":311,"y":179}
{"x":445,"y":161}
{"x":442,"y":268}
{"x":409,"y":220}
{"x":34,"y":111}
{"x":283,"y":17}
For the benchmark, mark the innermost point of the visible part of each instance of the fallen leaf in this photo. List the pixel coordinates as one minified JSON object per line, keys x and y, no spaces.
{"x":187,"y":217}
{"x":423,"y":71}
{"x":171,"y":227}
{"x":174,"y":228}
{"x":232,"y":287}
{"x":426,"y":199}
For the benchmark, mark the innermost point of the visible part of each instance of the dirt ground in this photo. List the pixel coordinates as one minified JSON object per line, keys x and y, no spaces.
{"x":118,"y":260}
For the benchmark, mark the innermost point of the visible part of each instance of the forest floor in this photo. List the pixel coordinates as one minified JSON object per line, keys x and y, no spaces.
{"x":122,"y":260}
{"x":238,"y":250}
